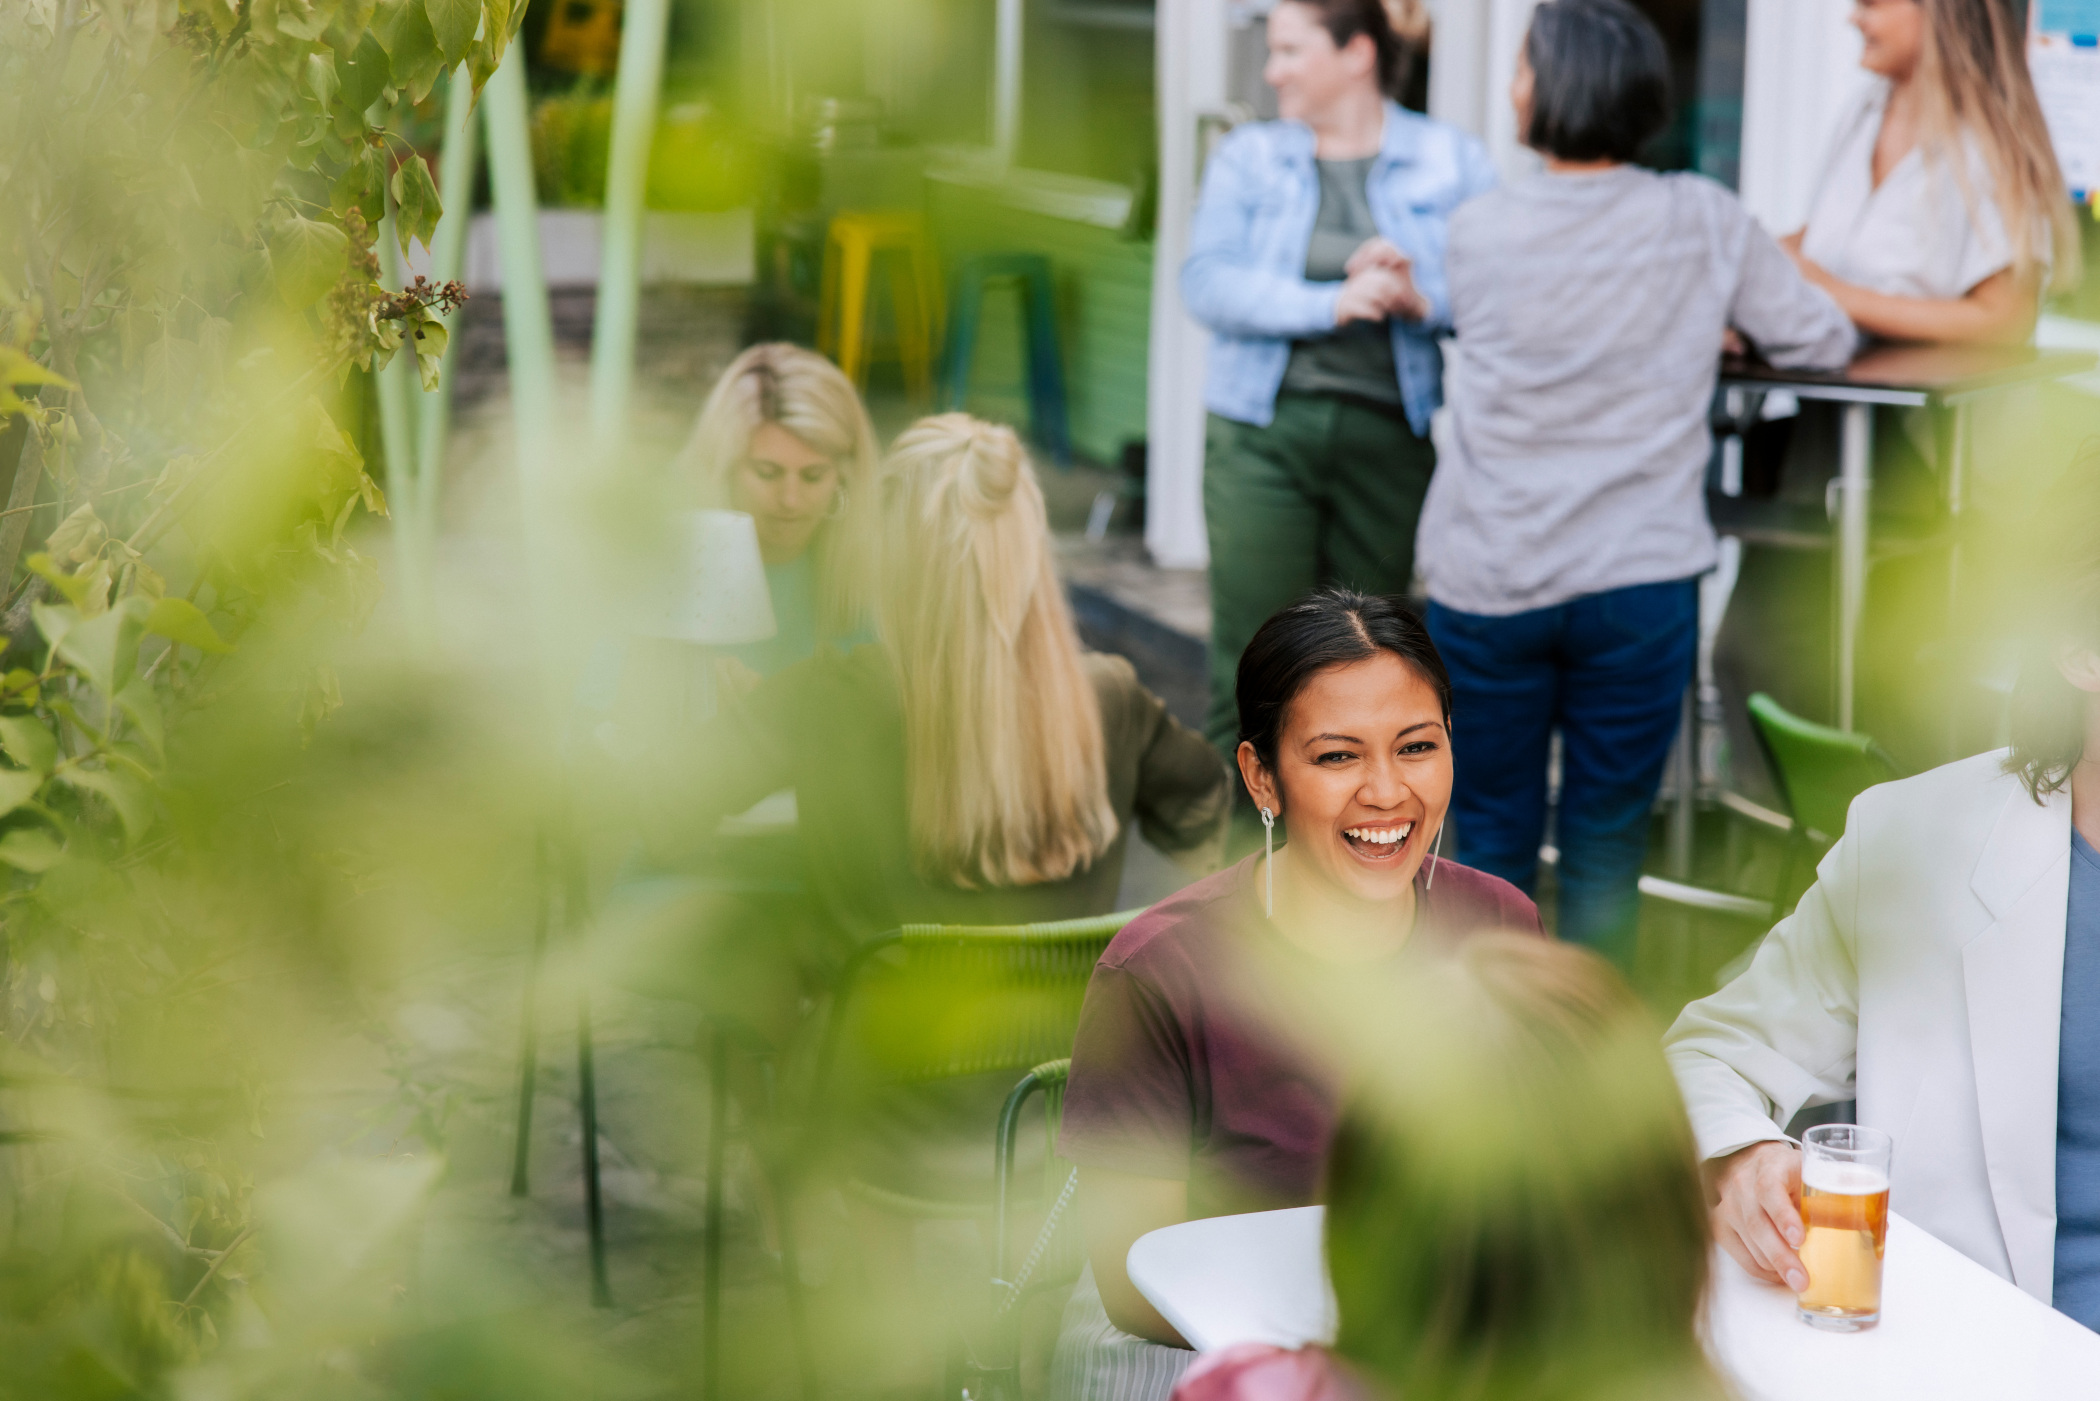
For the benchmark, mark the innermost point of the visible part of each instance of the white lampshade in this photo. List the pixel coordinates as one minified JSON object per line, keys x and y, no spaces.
{"x":713,"y":588}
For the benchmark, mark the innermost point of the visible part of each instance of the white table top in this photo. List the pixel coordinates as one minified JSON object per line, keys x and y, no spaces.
{"x":1949,"y":1328}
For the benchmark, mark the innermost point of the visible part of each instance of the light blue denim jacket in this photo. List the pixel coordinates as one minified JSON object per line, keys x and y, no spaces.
{"x":1245,"y":273}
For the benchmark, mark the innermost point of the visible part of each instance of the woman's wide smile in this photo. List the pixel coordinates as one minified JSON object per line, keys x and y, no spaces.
{"x":1377,"y":843}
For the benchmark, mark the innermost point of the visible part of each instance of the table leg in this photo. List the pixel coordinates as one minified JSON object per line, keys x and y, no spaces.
{"x":1855,"y":482}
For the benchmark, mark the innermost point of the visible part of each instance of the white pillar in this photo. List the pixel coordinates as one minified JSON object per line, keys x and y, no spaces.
{"x":1473,"y":57}
{"x":1800,"y":68}
{"x":1191,"y":63}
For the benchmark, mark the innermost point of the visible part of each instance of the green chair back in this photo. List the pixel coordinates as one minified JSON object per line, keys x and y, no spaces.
{"x":937,"y":1002}
{"x":1819,"y":770}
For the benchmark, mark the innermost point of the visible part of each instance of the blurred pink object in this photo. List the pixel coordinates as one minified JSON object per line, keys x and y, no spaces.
{"x":1264,"y":1372}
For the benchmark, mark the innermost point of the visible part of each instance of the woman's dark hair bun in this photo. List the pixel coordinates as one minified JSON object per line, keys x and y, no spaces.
{"x":1335,"y":627}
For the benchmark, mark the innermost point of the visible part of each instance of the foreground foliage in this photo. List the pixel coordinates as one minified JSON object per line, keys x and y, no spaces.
{"x":189,"y":308}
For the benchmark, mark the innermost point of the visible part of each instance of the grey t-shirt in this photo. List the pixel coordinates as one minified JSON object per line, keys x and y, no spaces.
{"x":1588,"y":311}
{"x":1355,"y":359}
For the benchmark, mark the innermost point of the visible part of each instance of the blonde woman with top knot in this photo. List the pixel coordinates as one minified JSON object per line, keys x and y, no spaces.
{"x":784,"y":438}
{"x":974,"y":765}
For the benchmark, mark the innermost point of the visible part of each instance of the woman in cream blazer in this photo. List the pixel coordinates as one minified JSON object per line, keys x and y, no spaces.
{"x":1923,"y":975}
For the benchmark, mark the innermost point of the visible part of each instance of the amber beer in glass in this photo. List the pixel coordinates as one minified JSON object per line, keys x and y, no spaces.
{"x":1845,"y":1214}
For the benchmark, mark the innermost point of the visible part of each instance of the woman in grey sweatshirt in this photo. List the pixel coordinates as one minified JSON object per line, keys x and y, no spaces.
{"x":1566,"y":525}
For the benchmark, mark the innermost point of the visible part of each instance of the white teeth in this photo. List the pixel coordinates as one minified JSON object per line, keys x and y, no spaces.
{"x":1380,"y":836}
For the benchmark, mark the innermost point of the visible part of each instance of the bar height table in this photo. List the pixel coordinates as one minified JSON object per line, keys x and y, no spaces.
{"x":1906,"y":376}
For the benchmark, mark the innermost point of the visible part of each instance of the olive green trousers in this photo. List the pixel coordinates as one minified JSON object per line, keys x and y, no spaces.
{"x":1327,"y":495}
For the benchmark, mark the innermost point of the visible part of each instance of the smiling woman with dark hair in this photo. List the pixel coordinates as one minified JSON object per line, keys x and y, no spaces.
{"x":1189,"y":1096}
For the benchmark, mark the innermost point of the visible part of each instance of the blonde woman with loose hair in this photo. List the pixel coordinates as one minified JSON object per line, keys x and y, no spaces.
{"x":1942,"y":215}
{"x":784,"y":438}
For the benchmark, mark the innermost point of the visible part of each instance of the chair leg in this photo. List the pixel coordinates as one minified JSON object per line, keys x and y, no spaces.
{"x":593,"y":1200}
{"x":1048,"y":419}
{"x":828,"y":299}
{"x":529,"y":1032}
{"x":855,"y":258}
{"x":587,"y":1084}
{"x":914,"y":328}
{"x":791,"y":1281}
{"x":964,"y":308}
{"x":711,"y":1277}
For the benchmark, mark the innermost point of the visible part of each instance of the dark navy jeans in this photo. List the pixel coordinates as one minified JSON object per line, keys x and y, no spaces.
{"x":1609,"y":669}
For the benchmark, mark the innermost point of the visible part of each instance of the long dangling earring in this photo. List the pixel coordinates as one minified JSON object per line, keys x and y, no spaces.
{"x":1435,"y":854}
{"x":1268,"y":856}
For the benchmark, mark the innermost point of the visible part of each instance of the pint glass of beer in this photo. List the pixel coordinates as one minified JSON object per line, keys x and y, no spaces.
{"x":1845,"y":1214}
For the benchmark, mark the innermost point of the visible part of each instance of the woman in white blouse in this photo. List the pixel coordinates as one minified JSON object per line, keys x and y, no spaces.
{"x":1941,"y":215}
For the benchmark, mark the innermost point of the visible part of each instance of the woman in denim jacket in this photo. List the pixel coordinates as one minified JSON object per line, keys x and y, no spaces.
{"x":1316,"y":259}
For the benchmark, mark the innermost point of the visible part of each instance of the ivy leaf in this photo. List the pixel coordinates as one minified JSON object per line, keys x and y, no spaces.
{"x":18,"y":367}
{"x":78,"y":536}
{"x":17,"y":786}
{"x":105,"y":648}
{"x":415,"y":203}
{"x":362,"y":77}
{"x":431,"y":337}
{"x":453,"y":22}
{"x":120,"y":790}
{"x":179,"y":620}
{"x":300,"y":19}
{"x":74,"y":587}
{"x":138,"y":701}
{"x":353,"y":189}
{"x":29,"y":742}
{"x":307,"y":257}
{"x":29,"y":849}
{"x":411,"y":48}
{"x":320,"y":79}
{"x":54,"y":621}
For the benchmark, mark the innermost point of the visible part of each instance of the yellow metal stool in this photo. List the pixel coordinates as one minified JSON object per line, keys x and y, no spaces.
{"x":857,"y":236}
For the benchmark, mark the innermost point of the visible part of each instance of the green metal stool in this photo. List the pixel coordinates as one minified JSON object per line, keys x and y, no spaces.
{"x":1048,"y":422}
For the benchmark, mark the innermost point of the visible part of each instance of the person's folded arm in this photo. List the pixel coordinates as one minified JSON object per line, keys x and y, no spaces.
{"x":1222,"y":287}
{"x":1794,"y":324}
{"x":2000,"y":310}
{"x":1184,"y":796}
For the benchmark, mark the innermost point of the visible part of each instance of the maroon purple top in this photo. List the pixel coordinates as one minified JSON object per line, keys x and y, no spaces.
{"x":1179,"y":1069}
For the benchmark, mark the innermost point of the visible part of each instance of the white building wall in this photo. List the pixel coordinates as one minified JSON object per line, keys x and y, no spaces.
{"x":1800,"y":67}
{"x":1192,"y":51}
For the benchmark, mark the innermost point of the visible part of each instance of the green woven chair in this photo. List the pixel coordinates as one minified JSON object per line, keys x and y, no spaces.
{"x":1819,"y":771}
{"x":931,"y":1003}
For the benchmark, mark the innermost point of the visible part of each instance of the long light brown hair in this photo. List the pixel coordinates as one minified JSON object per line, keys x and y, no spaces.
{"x":1007,"y":767}
{"x":805,"y":394}
{"x":1972,"y":74}
{"x":1514,"y":1204}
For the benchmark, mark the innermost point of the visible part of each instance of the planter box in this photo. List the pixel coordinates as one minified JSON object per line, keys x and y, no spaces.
{"x":716,"y":250}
